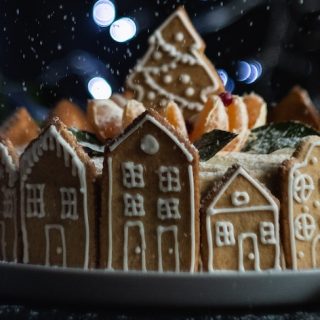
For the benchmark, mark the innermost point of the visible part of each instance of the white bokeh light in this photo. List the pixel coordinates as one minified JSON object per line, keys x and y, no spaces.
{"x":99,"y":88}
{"x":123,"y":29}
{"x":104,"y":13}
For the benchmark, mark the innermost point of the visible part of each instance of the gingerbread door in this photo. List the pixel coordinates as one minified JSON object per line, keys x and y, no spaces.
{"x":249,"y":258}
{"x":134,"y":255}
{"x":168,"y":248}
{"x":3,"y":241}
{"x":55,"y":254}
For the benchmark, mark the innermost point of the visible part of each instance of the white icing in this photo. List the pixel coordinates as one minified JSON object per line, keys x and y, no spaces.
{"x":132,"y":175}
{"x":224,"y":234}
{"x":212,"y":210}
{"x":128,"y":225}
{"x":3,"y":240}
{"x":35,"y":203}
{"x":185,"y":78}
{"x":68,"y":203}
{"x":316,"y":203}
{"x":300,"y":255}
{"x":168,"y":208}
{"x":52,"y":140}
{"x":252,"y":256}
{"x":157,"y":55}
{"x":314,"y":160}
{"x":149,"y":144}
{"x":167,"y":79}
{"x":194,"y":58}
{"x":160,"y":231}
{"x":193,"y":217}
{"x":149,"y":118}
{"x":304,"y":226}
{"x":163,"y":102}
{"x":8,"y":164}
{"x":305,"y":208}
{"x":133,"y":205}
{"x":303,"y":186}
{"x":267,"y":233}
{"x":169,"y":179}
{"x":190,"y":92}
{"x":179,"y":37}
{"x":60,"y":229}
{"x":98,"y":163}
{"x":151,"y":95}
{"x":240,"y":198}
{"x":314,"y":255}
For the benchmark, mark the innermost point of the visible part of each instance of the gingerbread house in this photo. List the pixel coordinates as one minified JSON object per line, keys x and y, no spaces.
{"x":9,"y":228}
{"x":175,"y":68}
{"x":301,"y":206}
{"x":149,"y":216}
{"x":239,"y":221}
{"x":58,"y":214}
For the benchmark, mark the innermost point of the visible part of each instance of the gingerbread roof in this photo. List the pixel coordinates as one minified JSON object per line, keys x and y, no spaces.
{"x":185,"y":146}
{"x":56,"y":137}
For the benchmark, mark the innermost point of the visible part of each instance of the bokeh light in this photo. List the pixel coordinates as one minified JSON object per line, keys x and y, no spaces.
{"x":223,"y":75}
{"x":104,"y":13}
{"x":243,"y":70}
{"x":123,"y":29}
{"x":99,"y":88}
{"x":254,"y":74}
{"x":248,"y":71}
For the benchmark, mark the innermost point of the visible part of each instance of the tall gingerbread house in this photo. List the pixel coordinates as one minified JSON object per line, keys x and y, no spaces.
{"x":9,"y":228}
{"x":239,"y":221}
{"x":58,"y":216}
{"x":301,"y":206}
{"x":149,"y":216}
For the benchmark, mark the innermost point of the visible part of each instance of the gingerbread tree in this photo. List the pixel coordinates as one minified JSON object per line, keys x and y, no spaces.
{"x":175,"y":68}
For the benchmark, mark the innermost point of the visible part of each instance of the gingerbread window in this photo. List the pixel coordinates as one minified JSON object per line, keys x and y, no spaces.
{"x":304,"y":226}
{"x":168,"y":208}
{"x":34,"y":200}
{"x":267,"y":233}
{"x":132,"y":175}
{"x":224,"y":234}
{"x":169,"y":179}
{"x":9,"y":198}
{"x":68,"y":203}
{"x":133,"y":205}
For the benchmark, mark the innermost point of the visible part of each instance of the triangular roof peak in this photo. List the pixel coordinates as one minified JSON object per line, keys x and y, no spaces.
{"x":154,"y":118}
{"x":55,"y":137}
{"x":230,"y":176}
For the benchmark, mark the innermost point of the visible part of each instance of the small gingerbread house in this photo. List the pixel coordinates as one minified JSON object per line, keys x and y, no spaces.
{"x":301,"y":206}
{"x":239,"y":221}
{"x":9,"y":228}
{"x":149,"y":216}
{"x":58,"y":214}
{"x":175,"y":68}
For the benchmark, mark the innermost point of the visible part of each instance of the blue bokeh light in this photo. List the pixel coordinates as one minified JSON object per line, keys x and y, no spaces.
{"x":99,"y":88}
{"x":123,"y":29}
{"x":104,"y":13}
{"x":223,"y":75}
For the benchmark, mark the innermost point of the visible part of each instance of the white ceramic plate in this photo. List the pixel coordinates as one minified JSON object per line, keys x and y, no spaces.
{"x":72,"y":286}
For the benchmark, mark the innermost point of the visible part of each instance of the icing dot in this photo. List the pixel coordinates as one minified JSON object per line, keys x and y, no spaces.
{"x":251,"y":256}
{"x":316,"y":204}
{"x":137,"y":250}
{"x":163,"y":103}
{"x":151,"y":95}
{"x":314,"y":160}
{"x":305,"y":209}
{"x":154,"y":71}
{"x":300,"y":254}
{"x":185,"y":59}
{"x":59,"y":250}
{"x":164,"y":68}
{"x":170,"y":251}
{"x":157,"y":55}
{"x":173,"y":65}
{"x":152,"y":39}
{"x":167,"y":79}
{"x":185,"y":78}
{"x":149,"y":144}
{"x":189,"y":92}
{"x":179,"y":37}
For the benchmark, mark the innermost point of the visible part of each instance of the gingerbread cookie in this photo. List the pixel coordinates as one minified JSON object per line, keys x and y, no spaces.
{"x":150,"y":199}
{"x":301,"y":206}
{"x":58,"y":204}
{"x":20,"y":128}
{"x":71,"y":115}
{"x":10,"y":247}
{"x":239,"y":225}
{"x":297,"y":105}
{"x":175,"y":68}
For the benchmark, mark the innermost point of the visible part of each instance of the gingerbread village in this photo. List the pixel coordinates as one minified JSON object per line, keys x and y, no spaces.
{"x":122,"y":186}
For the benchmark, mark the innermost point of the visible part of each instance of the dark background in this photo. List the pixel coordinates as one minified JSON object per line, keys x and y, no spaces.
{"x":50,"y":49}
